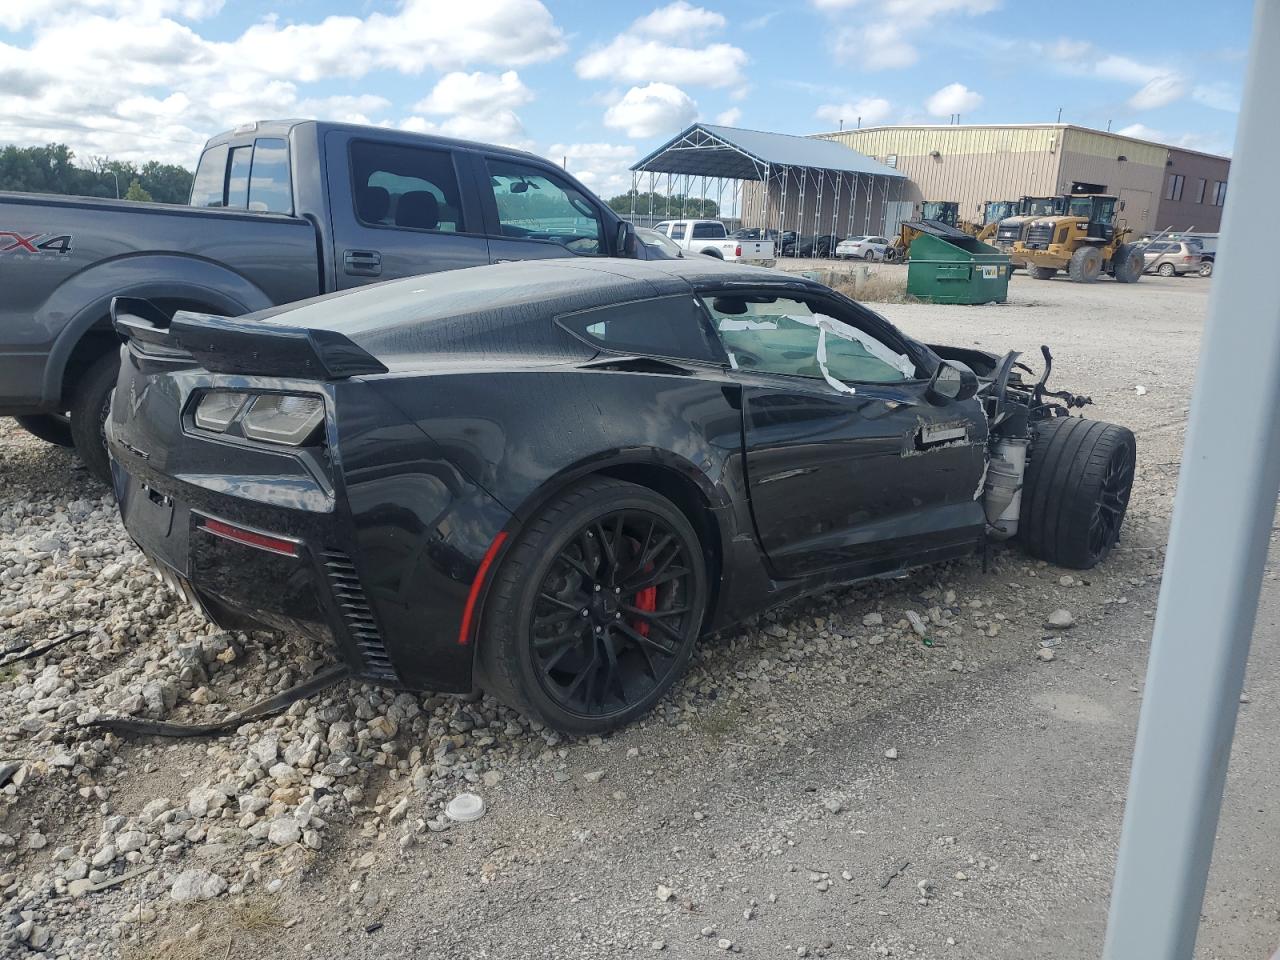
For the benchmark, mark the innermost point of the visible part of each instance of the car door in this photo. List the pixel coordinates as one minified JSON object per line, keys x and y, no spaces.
{"x":535,"y":214}
{"x":398,"y":210}
{"x":850,"y":466}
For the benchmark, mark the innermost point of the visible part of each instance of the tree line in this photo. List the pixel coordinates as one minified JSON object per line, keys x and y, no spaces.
{"x":50,"y":169}
{"x":677,"y":205}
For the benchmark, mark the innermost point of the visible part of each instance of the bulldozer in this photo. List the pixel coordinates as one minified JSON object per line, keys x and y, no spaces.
{"x":1013,"y":227}
{"x":1084,"y":240}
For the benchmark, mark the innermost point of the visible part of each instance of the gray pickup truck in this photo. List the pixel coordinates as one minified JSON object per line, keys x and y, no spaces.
{"x":279,"y":211}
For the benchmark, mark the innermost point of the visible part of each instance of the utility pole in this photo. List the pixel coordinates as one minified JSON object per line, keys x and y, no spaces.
{"x":1059,"y":115}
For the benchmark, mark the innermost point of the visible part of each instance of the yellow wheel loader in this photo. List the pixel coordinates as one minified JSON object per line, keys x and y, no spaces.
{"x":1084,"y":241}
{"x":937,"y":218}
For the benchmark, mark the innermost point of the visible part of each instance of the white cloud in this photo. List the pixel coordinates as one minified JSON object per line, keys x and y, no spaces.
{"x":601,"y":166}
{"x":953,"y":98}
{"x":152,"y":53}
{"x":884,"y":40}
{"x":1159,"y":92}
{"x":1142,"y":132}
{"x":871,"y":110}
{"x":730,"y":117}
{"x":475,"y":93}
{"x":1219,"y":96}
{"x":656,"y":108}
{"x":679,"y":21}
{"x":630,"y":59}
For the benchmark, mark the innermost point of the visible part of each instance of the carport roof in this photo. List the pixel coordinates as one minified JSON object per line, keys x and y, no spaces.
{"x":708,"y":150}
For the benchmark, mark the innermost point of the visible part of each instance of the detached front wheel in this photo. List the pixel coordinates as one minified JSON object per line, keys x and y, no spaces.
{"x":595,"y":611}
{"x":1076,"y":490}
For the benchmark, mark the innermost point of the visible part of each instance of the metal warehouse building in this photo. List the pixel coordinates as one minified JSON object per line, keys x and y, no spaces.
{"x":1163,"y":187}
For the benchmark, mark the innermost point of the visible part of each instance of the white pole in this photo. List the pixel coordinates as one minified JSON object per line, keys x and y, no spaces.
{"x":1217,"y":546}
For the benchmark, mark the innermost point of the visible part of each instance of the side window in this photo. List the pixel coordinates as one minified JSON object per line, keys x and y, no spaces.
{"x":533,"y":205}
{"x":677,"y":232}
{"x":662,"y":327}
{"x":210,"y":184}
{"x":270,"y":189}
{"x":788,"y":337}
{"x":238,"y":178}
{"x":409,"y":187}
{"x":709,"y":231}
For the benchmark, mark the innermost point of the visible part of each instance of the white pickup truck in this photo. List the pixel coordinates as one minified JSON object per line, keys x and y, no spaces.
{"x":711,"y":238}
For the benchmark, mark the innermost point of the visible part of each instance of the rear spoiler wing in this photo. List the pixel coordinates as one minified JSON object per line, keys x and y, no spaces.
{"x":234,"y":345}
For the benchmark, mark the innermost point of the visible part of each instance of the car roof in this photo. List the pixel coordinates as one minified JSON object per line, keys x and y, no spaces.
{"x":438,"y":311}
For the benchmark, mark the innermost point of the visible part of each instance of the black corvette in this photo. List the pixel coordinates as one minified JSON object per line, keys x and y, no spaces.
{"x":551,"y":477}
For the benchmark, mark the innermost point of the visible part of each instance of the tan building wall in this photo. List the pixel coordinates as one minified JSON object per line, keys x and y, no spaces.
{"x":972,"y":164}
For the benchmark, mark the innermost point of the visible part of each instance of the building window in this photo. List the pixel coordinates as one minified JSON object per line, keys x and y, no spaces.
{"x":1200,"y":185}
{"x":1219,"y":192}
{"x":1174,"y":190}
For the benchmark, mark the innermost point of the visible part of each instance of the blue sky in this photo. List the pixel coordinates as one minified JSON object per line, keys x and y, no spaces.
{"x":603,"y":83}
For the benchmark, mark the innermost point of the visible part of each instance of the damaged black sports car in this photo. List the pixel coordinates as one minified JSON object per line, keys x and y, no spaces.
{"x":550,"y":478}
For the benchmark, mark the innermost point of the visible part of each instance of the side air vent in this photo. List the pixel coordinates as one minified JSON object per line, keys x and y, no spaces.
{"x":355,"y":611}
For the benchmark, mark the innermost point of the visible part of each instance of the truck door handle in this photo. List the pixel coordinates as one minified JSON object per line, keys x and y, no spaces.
{"x":362,"y":263}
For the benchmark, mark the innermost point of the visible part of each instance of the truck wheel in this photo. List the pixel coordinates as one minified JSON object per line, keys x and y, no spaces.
{"x":1076,"y":490}
{"x":50,"y":428}
{"x":713,"y":252}
{"x":1128,"y":263}
{"x":595,"y":610}
{"x":1165,"y":270}
{"x":1043,"y":273}
{"x":90,"y":404}
{"x":1085,"y":265}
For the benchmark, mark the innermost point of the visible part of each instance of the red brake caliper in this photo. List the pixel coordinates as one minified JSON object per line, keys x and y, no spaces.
{"x":646,"y":600}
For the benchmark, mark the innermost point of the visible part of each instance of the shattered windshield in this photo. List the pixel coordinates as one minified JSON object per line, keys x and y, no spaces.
{"x":782,"y":336}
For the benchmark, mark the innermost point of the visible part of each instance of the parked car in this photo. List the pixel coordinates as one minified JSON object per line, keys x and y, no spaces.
{"x":710,"y":237}
{"x":279,"y":212}
{"x":1170,"y":257}
{"x":862,"y":248}
{"x":822,"y":245}
{"x":551,"y":478}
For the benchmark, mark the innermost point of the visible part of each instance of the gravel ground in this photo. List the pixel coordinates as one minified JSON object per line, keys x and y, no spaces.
{"x":822,"y":783}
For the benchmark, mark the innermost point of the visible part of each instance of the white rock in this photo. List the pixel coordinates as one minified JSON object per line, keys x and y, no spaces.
{"x":1045,"y":654}
{"x":284,"y":831}
{"x":1060,"y":620}
{"x":130,"y":841}
{"x":891,"y":753}
{"x":664,"y":893}
{"x":197,"y":885}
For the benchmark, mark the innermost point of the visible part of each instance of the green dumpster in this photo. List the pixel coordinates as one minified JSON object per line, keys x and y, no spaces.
{"x":957,"y":270}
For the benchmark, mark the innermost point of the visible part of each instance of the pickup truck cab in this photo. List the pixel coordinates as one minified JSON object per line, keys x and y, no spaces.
{"x":280,"y":211}
{"x":711,"y":238}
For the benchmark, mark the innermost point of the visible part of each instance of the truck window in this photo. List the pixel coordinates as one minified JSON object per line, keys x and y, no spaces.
{"x":238,"y":178}
{"x":270,"y":190}
{"x":406,"y":187}
{"x":709,"y":230}
{"x":534,"y":205}
{"x":209,"y":187}
{"x":677,"y":231}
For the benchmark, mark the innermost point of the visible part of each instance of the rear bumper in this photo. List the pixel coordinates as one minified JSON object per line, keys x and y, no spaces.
{"x":302,"y":581}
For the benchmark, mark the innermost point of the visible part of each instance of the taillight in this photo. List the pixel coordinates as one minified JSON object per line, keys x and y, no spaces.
{"x":287,"y":418}
{"x":737,"y":251}
{"x":1186,"y":259}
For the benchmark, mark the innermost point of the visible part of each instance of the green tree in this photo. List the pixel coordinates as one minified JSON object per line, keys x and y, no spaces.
{"x":136,"y":193}
{"x":50,"y":169}
{"x":677,"y":205}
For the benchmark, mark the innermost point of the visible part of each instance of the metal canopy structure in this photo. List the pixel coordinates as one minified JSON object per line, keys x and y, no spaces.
{"x":774,"y":182}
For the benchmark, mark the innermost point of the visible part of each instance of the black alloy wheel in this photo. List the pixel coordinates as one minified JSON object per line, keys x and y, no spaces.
{"x":595,"y":611}
{"x":1113,"y":501}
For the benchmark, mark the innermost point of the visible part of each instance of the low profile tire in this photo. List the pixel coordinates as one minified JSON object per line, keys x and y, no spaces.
{"x":1085,"y":265}
{"x":595,"y":611}
{"x":1043,"y":273}
{"x":49,"y":427}
{"x":90,"y":404}
{"x":1128,"y":264}
{"x":1165,"y":270}
{"x":1076,"y":490}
